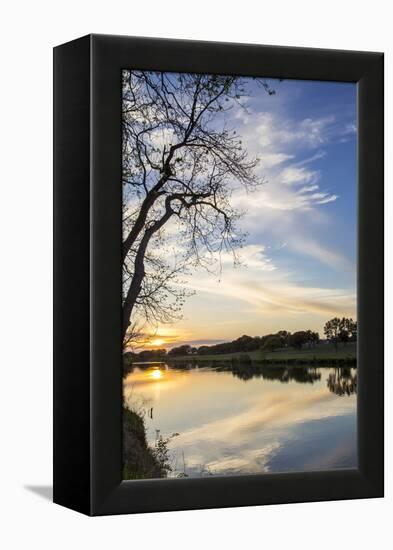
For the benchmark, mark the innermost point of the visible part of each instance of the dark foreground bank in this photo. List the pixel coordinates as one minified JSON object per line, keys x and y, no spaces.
{"x":139,"y":460}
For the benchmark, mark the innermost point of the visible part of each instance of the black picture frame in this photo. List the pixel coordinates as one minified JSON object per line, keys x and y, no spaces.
{"x":87,"y":274}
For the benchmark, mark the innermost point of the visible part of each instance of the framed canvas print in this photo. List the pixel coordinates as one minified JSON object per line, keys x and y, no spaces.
{"x":218,"y":275}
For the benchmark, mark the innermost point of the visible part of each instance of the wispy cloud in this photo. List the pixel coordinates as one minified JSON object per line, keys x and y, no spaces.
{"x":312,"y":277}
{"x":318,"y":155}
{"x":275,"y":297}
{"x":270,"y":130}
{"x":252,"y":256}
{"x":278,"y":142}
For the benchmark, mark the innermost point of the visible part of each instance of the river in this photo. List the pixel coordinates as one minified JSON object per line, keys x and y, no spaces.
{"x":246,"y":419}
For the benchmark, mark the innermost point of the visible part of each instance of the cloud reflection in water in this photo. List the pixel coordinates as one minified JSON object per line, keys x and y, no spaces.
{"x":228,"y":426}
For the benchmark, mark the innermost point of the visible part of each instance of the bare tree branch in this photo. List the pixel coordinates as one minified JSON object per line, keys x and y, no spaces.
{"x":180,"y":165}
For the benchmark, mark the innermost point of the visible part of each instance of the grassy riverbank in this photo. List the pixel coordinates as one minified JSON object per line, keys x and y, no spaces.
{"x":322,"y":355}
{"x":139,"y":460}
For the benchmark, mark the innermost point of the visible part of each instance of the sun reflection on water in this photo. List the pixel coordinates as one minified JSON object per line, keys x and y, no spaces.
{"x":156,"y":374}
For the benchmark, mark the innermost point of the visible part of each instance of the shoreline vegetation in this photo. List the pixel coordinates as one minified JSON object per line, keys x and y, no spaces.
{"x":322,"y":355}
{"x":140,"y":460}
{"x":303,"y":347}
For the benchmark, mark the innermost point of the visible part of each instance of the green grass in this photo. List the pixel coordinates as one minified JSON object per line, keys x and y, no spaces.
{"x":322,"y":351}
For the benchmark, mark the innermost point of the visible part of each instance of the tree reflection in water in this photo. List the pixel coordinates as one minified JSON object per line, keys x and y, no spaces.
{"x":342,"y":381}
{"x":303,"y":375}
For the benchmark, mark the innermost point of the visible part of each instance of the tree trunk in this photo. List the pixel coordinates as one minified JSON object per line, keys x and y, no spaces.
{"x":139,"y":267}
{"x":151,"y":197}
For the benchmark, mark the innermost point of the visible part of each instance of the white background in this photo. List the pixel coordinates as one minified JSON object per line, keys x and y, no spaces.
{"x":29,"y":30}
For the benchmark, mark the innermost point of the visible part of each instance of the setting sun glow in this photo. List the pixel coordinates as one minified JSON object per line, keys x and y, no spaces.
{"x":157,"y":342}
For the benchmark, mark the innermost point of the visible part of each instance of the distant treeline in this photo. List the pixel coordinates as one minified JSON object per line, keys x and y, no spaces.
{"x":269,"y":342}
{"x":336,"y":330}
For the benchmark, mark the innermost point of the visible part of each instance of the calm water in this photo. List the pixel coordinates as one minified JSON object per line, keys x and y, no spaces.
{"x":251,"y":420}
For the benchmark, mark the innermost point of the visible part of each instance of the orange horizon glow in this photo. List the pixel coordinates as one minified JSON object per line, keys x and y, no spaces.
{"x":160,"y":337}
{"x":157,"y":342}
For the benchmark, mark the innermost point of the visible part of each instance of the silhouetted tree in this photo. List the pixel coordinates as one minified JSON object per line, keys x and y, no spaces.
{"x":312,"y":338}
{"x":348,"y":330}
{"x":332,"y":330}
{"x":151,"y":354}
{"x":204,"y":350}
{"x":179,"y":163}
{"x":272,"y":342}
{"x":181,"y":350}
{"x":340,"y":330}
{"x":284,"y":337}
{"x":297,"y":339}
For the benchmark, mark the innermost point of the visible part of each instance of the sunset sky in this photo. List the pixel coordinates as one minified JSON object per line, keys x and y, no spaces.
{"x":299,"y":259}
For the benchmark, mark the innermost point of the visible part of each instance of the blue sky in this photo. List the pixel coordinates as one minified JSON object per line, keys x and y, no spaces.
{"x":327,"y":147}
{"x":299,"y":259}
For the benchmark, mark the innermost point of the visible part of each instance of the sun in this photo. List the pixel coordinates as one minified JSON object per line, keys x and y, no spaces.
{"x":157,"y":342}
